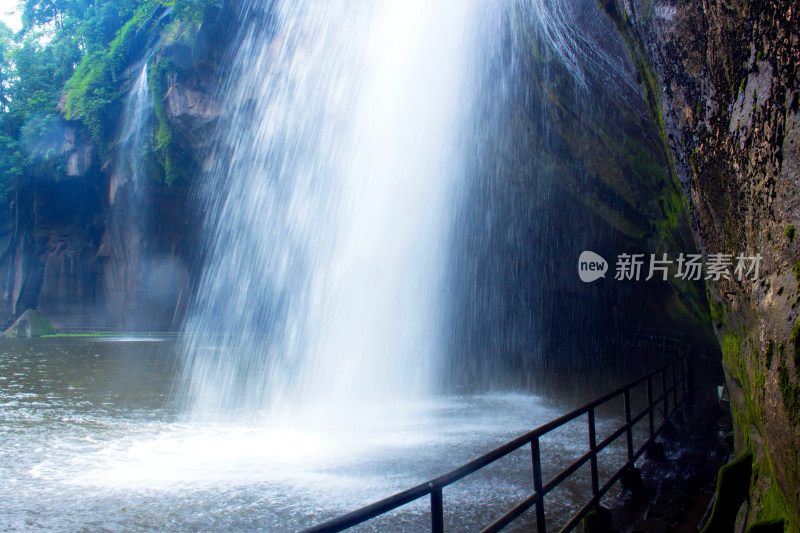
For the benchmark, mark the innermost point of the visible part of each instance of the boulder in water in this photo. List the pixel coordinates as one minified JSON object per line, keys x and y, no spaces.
{"x":31,"y":323}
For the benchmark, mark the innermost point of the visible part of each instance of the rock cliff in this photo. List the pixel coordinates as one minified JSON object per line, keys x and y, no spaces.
{"x":75,"y":243}
{"x":722,"y":81}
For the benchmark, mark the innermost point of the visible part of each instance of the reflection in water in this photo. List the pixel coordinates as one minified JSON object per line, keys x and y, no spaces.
{"x":89,"y":439}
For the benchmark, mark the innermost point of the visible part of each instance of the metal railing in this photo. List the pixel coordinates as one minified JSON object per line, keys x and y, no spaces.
{"x":666,"y":342}
{"x":667,"y":386}
{"x":87,"y":327}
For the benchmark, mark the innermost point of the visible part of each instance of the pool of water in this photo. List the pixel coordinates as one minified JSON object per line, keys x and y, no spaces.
{"x":90,"y":441}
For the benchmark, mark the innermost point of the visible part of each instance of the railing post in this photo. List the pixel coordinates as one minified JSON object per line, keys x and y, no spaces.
{"x":437,"y":510}
{"x":674,"y":385}
{"x":593,"y":449}
{"x":685,"y":377}
{"x":650,"y":407}
{"x":629,"y":430}
{"x":537,"y":484}
{"x":664,"y":394}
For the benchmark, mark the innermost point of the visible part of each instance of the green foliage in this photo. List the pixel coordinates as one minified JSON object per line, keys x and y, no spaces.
{"x":35,"y":64}
{"x":789,"y":232}
{"x":12,"y":167}
{"x":71,"y":56}
{"x":94,"y":92}
{"x":42,"y":137}
{"x":6,"y":65}
{"x":157,"y":73}
{"x":192,"y":10}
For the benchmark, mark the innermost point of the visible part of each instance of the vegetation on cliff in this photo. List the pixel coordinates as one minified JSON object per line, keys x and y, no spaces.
{"x":67,"y":63}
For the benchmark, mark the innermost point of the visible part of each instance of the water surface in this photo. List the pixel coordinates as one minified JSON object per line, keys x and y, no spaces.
{"x":90,"y":442}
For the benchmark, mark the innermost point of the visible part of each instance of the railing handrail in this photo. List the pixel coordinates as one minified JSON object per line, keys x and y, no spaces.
{"x":88,"y":327}
{"x":434,"y":486}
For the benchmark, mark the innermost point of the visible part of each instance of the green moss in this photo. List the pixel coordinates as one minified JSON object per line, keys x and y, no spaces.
{"x":693,"y":159}
{"x":730,"y":348}
{"x":597,"y":520}
{"x":157,"y":73}
{"x":789,"y":232}
{"x":32,"y":323}
{"x":769,"y":352}
{"x":790,"y":393}
{"x":771,"y":506}
{"x":796,"y":271}
{"x":740,"y":421}
{"x":795,"y":338}
{"x":170,"y":155}
{"x":717,"y":316}
{"x":733,"y":487}
{"x":650,"y":84}
{"x":767,"y":526}
{"x":792,"y":472}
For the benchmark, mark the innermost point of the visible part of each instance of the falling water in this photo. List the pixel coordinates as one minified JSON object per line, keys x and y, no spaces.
{"x":328,"y":207}
{"x":349,"y":135}
{"x":127,"y":227}
{"x":134,"y":136}
{"x":340,"y":238}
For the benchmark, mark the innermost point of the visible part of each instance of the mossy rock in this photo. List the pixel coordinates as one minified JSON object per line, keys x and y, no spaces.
{"x":767,"y":526}
{"x":598,"y":520}
{"x":32,"y":323}
{"x":733,"y":488}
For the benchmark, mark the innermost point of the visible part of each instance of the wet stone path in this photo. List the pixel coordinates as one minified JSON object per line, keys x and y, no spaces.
{"x":677,"y":479}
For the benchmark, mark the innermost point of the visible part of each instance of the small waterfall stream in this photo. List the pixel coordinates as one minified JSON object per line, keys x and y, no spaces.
{"x":137,"y":116}
{"x":128,"y":201}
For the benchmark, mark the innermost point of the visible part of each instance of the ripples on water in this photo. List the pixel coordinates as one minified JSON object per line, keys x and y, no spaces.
{"x":88,"y":440}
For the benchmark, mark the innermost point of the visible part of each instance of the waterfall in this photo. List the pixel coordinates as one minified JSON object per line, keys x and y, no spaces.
{"x":134,"y":135}
{"x":334,"y":180}
{"x":342,"y":159}
{"x":127,"y":225}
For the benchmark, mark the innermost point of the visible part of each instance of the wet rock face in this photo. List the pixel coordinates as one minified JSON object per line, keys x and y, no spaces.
{"x":192,"y":111}
{"x":71,"y":246}
{"x":78,"y":151}
{"x":729,"y":98}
